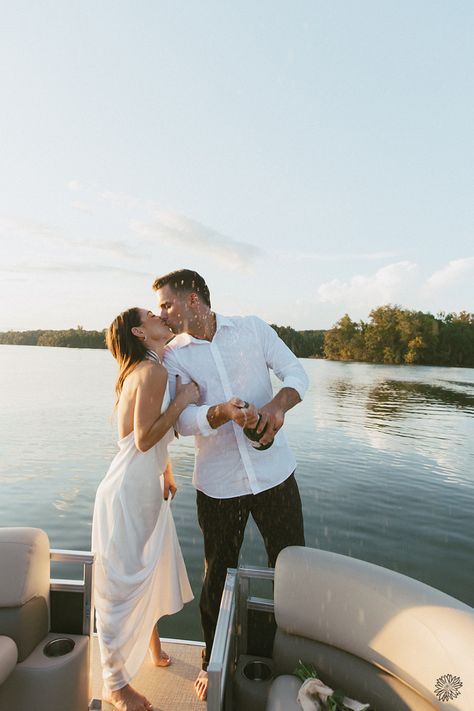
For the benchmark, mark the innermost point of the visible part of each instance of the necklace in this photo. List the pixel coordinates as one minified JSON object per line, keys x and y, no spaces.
{"x":151,"y":355}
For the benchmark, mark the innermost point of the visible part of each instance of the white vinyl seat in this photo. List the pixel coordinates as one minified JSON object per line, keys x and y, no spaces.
{"x":29,"y":679}
{"x":384,"y":638}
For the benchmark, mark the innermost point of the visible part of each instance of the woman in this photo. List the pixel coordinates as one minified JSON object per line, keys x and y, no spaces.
{"x":139,"y":568}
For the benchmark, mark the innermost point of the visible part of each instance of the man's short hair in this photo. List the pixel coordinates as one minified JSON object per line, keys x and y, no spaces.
{"x":185,"y":281}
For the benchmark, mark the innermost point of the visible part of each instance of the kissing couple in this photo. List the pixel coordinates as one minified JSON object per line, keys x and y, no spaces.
{"x":211,"y":381}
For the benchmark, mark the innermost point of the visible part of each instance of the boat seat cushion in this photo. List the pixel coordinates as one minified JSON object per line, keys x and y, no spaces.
{"x":342,"y":670}
{"x":24,"y":562}
{"x":24,"y":592}
{"x":416,"y":633}
{"x":8,"y":657}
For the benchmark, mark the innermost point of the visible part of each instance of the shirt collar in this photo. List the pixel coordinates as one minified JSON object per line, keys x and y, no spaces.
{"x":184,"y":339}
{"x":222,"y":321}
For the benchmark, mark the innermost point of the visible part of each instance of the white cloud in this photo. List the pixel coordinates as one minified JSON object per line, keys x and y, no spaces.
{"x":83,"y":206}
{"x":176,"y":230}
{"x":34,"y":231}
{"x":65,"y":267}
{"x":388,"y":284}
{"x":122,"y":200}
{"x":296,"y":256}
{"x":75,"y":186}
{"x":181,"y":232}
{"x":10,"y":226}
{"x":116,"y":247}
{"x":452,"y":273}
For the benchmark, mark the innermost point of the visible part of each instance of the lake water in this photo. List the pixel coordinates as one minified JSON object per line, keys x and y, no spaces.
{"x":385,"y":463}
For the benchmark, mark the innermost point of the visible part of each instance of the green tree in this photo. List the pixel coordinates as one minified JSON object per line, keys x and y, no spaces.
{"x":382,"y":336}
{"x":304,"y":344}
{"x":345,"y":341}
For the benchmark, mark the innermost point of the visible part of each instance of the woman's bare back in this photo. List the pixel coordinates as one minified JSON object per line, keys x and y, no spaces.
{"x":126,"y":404}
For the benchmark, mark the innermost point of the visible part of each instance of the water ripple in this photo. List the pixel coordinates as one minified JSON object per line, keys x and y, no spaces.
{"x":384,"y":462}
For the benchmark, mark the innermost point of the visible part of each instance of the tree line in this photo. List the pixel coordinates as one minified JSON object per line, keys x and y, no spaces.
{"x":391,"y":335}
{"x":395,"y":335}
{"x":304,"y":344}
{"x":70,"y":338}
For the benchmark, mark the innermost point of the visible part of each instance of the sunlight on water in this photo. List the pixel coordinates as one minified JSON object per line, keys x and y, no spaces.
{"x":384,"y":463}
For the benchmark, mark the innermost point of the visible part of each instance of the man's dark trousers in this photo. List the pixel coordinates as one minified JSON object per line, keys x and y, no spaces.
{"x":278,"y":515}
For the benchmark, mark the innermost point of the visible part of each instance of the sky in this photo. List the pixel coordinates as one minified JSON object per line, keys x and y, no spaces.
{"x":308,"y":158}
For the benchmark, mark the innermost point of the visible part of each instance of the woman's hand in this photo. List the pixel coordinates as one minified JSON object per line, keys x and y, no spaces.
{"x":188,"y":392}
{"x":169,"y":484}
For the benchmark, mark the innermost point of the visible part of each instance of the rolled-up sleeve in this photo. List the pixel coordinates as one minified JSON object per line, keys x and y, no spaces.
{"x":193,"y":421}
{"x":282,"y":360}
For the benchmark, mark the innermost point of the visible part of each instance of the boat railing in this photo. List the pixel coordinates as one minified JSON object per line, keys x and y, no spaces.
{"x":223,"y":641}
{"x":83,"y":586}
{"x":231,"y":637}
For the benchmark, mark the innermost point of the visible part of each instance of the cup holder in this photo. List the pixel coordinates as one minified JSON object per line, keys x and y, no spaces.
{"x":59,"y":647}
{"x":257,"y":671}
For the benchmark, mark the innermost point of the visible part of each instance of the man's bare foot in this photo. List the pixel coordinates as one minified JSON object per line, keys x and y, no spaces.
{"x":200,"y":685}
{"x":161,"y":659}
{"x":127,"y":699}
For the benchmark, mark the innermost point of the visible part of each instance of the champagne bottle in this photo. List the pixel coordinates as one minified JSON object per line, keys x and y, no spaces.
{"x":254,"y":436}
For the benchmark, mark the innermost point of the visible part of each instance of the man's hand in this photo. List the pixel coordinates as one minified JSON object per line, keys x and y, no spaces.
{"x":273,"y":413}
{"x":273,"y":417}
{"x":239,"y":411}
{"x":242,"y":413}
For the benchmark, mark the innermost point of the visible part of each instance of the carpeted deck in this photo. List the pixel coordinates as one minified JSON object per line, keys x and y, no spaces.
{"x":170,"y":688}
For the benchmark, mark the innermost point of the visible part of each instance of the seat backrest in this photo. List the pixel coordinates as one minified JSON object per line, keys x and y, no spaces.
{"x":24,"y":588}
{"x":417,"y":633}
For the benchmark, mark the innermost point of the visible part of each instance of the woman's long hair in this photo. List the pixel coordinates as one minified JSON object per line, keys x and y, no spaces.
{"x":126,"y":348}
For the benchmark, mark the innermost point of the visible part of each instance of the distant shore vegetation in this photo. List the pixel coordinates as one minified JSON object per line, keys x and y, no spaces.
{"x":71,"y":338}
{"x":391,"y":335}
{"x":394,"y":335}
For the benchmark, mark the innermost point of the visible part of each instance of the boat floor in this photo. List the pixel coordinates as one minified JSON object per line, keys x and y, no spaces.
{"x":168,"y":688}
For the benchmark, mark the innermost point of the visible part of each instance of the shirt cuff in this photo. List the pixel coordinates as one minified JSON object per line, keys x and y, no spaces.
{"x":203,"y":423}
{"x":296,"y":384}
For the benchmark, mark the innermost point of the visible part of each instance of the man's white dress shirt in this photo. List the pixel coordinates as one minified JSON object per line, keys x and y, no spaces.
{"x":234,"y":364}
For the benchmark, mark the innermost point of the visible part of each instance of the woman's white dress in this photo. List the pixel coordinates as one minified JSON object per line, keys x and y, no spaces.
{"x":139,"y":568}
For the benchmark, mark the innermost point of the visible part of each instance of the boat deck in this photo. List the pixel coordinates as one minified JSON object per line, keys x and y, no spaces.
{"x":168,"y":688}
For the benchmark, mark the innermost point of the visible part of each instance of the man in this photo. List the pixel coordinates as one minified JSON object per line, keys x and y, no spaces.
{"x":229,"y":358}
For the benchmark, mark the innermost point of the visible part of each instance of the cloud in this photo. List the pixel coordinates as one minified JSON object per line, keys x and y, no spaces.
{"x":116,"y":247}
{"x":83,"y":206}
{"x":344,"y":257}
{"x":10,"y":226}
{"x":28,"y":268}
{"x":33,"y":230}
{"x":75,"y":186}
{"x":452,"y":273}
{"x":122,"y":200}
{"x":181,"y":232}
{"x":387,"y":284}
{"x":178,"y":231}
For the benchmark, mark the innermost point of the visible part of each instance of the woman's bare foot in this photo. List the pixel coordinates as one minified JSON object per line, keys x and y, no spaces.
{"x":158,"y":656}
{"x":200,"y":685}
{"x":127,"y":699}
{"x":161,"y":659}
